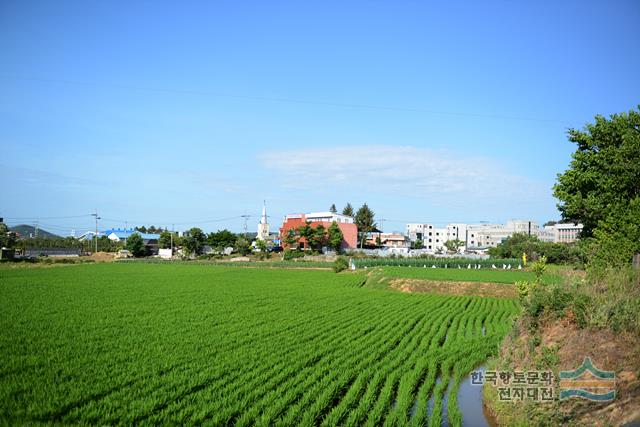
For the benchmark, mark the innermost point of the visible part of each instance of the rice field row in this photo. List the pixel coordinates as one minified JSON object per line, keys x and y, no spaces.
{"x":174,"y":344}
{"x":467,"y":275}
{"x":438,"y":262}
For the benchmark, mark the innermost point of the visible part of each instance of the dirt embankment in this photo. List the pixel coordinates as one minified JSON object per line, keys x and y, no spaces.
{"x":569,"y":345}
{"x":481,"y":289}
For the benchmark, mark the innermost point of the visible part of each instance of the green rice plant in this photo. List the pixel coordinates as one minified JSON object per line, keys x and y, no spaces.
{"x":198,"y":343}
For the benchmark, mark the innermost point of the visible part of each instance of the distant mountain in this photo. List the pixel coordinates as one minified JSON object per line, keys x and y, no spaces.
{"x":25,"y":230}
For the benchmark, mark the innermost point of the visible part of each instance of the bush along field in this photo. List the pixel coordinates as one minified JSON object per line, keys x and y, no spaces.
{"x":595,"y":312}
{"x":447,"y":263}
{"x":201,"y":344}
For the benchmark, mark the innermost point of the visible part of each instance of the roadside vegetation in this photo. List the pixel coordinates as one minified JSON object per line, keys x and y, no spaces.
{"x":595,"y":310}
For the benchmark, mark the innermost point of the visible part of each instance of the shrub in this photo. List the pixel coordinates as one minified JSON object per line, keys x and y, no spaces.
{"x":340,"y":264}
{"x":65,"y":261}
{"x":524,"y":289}
{"x":290,"y":254}
{"x":539,"y":267}
{"x":604,"y":299}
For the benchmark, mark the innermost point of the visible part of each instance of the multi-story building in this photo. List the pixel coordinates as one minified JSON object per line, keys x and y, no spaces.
{"x":432,"y":238}
{"x":388,"y":240}
{"x":482,"y":236}
{"x":561,"y":233}
{"x":417,"y":232}
{"x":435,"y":241}
{"x":523,"y":226}
{"x":473,"y":236}
{"x":345,"y":223}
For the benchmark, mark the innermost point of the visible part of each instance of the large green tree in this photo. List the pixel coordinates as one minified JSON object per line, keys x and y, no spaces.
{"x":164,"y":242}
{"x":292,"y":238}
{"x":348,"y":210}
{"x":453,"y":245}
{"x":307,"y":232}
{"x":242,"y":246}
{"x":604,"y":173}
{"x":135,"y":245}
{"x":222,"y":239}
{"x":8,"y":238}
{"x":335,"y":237}
{"x":194,"y":241}
{"x":318,"y":237}
{"x":601,"y":188}
{"x":365,"y":221}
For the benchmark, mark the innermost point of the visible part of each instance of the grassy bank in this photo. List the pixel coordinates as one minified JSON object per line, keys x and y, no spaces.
{"x":596,"y":315}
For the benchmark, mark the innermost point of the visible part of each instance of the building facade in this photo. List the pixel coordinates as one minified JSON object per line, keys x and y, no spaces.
{"x":345,"y":223}
{"x":561,"y":233}
{"x":388,"y":240}
{"x":484,"y":236}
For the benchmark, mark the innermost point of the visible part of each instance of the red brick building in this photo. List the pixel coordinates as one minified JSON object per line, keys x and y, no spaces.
{"x":345,"y":223}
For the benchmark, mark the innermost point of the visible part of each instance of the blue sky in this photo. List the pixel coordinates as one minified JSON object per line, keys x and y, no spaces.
{"x":193,"y":113}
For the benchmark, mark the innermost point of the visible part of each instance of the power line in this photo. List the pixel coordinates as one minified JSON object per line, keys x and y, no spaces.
{"x":281,"y":99}
{"x":34,"y":218}
{"x":206,"y":221}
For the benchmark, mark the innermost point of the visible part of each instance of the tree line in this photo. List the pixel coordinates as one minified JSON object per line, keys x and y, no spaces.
{"x":364,"y":218}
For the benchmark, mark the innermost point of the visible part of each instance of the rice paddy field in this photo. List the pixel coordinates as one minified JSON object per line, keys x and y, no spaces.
{"x":468,"y":275}
{"x":145,"y":344}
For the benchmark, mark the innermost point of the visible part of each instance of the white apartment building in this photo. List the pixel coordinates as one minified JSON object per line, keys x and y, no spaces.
{"x":328,"y":217}
{"x":523,"y":226}
{"x":483,"y":236}
{"x":479,"y":236}
{"x":417,"y":231}
{"x":432,"y":238}
{"x":561,"y":233}
{"x":436,"y":241}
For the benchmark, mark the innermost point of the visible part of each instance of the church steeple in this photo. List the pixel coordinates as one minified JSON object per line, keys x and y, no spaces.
{"x":263,"y":226}
{"x":264,"y":213}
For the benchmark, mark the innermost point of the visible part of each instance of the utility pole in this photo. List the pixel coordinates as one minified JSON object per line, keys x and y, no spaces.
{"x":382,"y":220}
{"x":172,"y":227}
{"x":125,"y":233}
{"x":96,"y":235}
{"x":246,"y":217}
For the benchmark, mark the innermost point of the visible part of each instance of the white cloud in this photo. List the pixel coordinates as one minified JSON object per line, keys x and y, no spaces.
{"x":403,"y":170}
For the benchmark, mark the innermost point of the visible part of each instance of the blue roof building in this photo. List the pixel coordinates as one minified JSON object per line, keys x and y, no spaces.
{"x":118,"y":234}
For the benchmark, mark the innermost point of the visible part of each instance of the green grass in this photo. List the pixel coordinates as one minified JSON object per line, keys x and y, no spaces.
{"x":268,"y":263}
{"x":193,"y":344}
{"x":438,"y":262}
{"x":466,"y":275}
